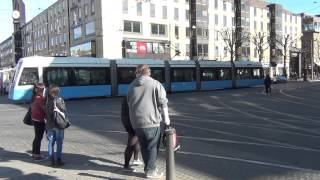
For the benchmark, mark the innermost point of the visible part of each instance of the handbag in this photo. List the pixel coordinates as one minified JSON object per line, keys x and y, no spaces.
{"x":27,"y":118}
{"x":60,"y":118}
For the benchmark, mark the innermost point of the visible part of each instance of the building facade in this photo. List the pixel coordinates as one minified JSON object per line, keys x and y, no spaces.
{"x":160,"y":30}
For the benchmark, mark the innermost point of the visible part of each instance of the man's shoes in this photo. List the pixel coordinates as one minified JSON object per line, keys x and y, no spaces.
{"x":137,"y":162}
{"x":153,"y":174}
{"x":128,"y":169}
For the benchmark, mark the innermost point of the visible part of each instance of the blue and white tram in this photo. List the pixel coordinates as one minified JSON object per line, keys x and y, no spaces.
{"x":215,"y":75}
{"x":183,"y":76}
{"x":98,"y":77}
{"x":77,"y":77}
{"x":126,"y":72}
{"x":248,"y":73}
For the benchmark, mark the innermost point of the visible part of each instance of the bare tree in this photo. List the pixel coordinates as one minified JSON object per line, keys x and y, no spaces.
{"x":230,"y":39}
{"x":284,"y":43}
{"x":261,"y":43}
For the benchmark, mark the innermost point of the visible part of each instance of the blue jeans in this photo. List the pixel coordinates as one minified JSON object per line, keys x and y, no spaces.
{"x":55,"y":135}
{"x":149,"y":139}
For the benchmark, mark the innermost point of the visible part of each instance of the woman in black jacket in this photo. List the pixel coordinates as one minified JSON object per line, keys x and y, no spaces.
{"x":133,"y":143}
{"x":55,"y":135}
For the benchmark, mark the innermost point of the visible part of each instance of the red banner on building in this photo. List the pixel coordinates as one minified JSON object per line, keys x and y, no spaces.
{"x":141,"y":48}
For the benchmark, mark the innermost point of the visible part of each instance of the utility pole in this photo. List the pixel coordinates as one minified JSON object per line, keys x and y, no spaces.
{"x":193,"y":30}
{"x":18,"y":16}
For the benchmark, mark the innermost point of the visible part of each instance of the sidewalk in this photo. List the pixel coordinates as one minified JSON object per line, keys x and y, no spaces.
{"x":87,"y":154}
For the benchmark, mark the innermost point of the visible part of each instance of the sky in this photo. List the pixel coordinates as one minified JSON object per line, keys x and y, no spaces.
{"x":34,"y":7}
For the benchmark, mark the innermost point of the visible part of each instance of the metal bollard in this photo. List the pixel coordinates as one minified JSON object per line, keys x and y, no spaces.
{"x":170,"y":163}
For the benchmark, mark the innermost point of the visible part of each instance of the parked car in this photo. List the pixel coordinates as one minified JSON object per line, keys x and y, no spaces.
{"x":280,"y":79}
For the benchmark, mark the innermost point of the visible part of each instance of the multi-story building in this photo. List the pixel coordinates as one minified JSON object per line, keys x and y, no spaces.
{"x":311,"y":46}
{"x":158,"y":29}
{"x":27,"y":39}
{"x":6,"y":53}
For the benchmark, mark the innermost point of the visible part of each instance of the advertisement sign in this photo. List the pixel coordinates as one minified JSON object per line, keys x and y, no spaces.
{"x":142,"y":47}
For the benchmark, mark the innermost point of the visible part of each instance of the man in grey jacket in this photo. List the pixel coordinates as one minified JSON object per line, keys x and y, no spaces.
{"x":147,"y":100}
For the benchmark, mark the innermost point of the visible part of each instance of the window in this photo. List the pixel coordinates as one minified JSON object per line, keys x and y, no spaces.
{"x":187,"y":14}
{"x":255,"y":25}
{"x":91,"y":76}
{"x":92,"y":7}
{"x":164,"y":12}
{"x":176,"y":14}
{"x":203,"y":49}
{"x":90,"y":28}
{"x":125,"y":6}
{"x":132,"y":26}
{"x":86,"y":9}
{"x":216,"y":22}
{"x":79,"y":13}
{"x":187,"y":32}
{"x":176,"y":31}
{"x":224,"y":6}
{"x":225,"y":21}
{"x":29,"y":76}
{"x":126,"y":75}
{"x":158,"y":74}
{"x":57,"y":75}
{"x":139,"y":8}
{"x":82,"y":76}
{"x":216,"y":4}
{"x":261,"y":26}
{"x":257,"y":73}
{"x":158,"y":29}
{"x":183,"y":74}
{"x":243,"y":73}
{"x":216,"y":35}
{"x":255,"y":11}
{"x":214,"y":74}
{"x":77,"y":33}
{"x":152,"y":10}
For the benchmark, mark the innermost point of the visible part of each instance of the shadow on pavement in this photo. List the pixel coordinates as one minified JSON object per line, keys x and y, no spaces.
{"x":12,"y":173}
{"x":73,"y":162}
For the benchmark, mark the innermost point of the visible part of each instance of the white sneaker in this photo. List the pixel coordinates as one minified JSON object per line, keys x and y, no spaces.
{"x":154,"y":174}
{"x":137,"y":162}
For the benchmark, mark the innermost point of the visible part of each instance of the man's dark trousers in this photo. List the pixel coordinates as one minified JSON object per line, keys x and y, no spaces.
{"x":149,"y":139}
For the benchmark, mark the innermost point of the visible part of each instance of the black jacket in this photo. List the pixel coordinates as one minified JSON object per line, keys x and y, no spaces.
{"x":50,"y":124}
{"x":125,"y":118}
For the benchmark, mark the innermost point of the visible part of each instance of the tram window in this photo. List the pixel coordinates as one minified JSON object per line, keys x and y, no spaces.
{"x":243,"y":73}
{"x":208,"y":75}
{"x":126,"y":75}
{"x":57,"y":75}
{"x":82,"y":76}
{"x":29,"y":76}
{"x":257,"y":73}
{"x":90,"y":76}
{"x":224,"y":74}
{"x":158,"y":74}
{"x":183,"y":75}
{"x":100,"y":76}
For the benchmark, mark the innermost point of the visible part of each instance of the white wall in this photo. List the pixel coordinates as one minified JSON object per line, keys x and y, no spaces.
{"x":112,"y":28}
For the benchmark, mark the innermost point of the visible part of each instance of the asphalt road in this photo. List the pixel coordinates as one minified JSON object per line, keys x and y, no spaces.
{"x":227,"y":134}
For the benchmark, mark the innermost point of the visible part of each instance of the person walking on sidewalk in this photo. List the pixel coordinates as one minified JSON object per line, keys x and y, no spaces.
{"x":147,"y":100}
{"x":37,"y":116}
{"x":54,"y":134}
{"x":267,"y":83}
{"x":133,"y":143}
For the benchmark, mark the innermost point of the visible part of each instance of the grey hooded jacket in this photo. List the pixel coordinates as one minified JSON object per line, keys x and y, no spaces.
{"x":145,"y":97}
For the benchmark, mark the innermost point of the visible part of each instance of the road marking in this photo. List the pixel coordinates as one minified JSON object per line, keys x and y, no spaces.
{"x":288,"y":95}
{"x":3,"y":110}
{"x":247,"y":143}
{"x":263,"y":163}
{"x":244,"y":136}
